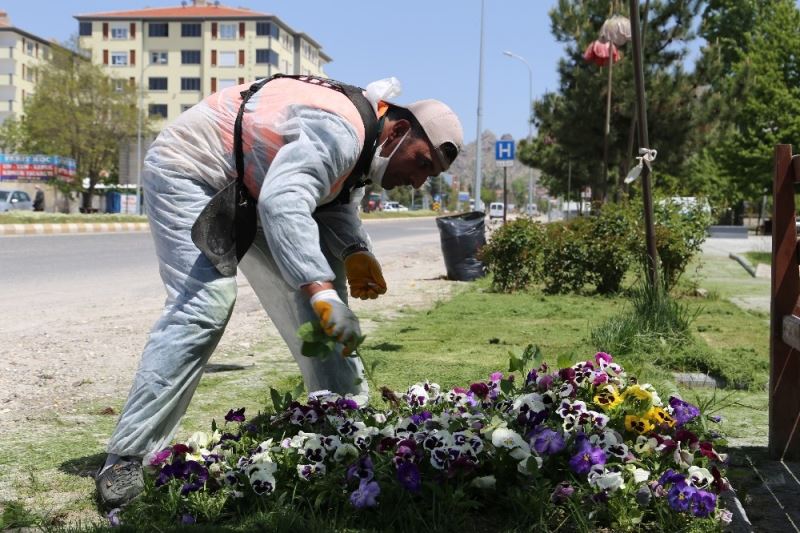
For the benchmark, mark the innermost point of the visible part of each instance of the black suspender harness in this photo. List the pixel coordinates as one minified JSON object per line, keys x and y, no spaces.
{"x":226,"y":227}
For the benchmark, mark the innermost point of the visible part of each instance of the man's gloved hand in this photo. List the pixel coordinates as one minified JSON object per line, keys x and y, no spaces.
{"x":364,"y":276}
{"x":336,"y":318}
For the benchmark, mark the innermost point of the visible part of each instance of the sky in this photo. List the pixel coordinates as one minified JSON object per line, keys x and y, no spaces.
{"x":431,"y":46}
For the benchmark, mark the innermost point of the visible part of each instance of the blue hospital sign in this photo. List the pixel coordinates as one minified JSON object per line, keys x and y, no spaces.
{"x":504,"y":153}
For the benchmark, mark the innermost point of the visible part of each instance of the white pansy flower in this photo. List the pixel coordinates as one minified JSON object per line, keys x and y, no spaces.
{"x":345,"y":452}
{"x":700,"y":477}
{"x":640,"y":475}
{"x":507,"y":438}
{"x":484,"y":482}
{"x":529,"y":403}
{"x":603,"y":480}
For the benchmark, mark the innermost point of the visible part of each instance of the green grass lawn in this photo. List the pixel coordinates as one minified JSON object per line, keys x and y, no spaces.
{"x":759,"y":257}
{"x":31,"y":217}
{"x":47,"y":462}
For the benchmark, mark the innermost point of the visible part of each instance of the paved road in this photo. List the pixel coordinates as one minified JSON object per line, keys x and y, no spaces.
{"x":37,"y":266}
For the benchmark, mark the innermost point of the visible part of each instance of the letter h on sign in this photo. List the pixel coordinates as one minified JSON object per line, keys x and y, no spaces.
{"x":504,"y":153}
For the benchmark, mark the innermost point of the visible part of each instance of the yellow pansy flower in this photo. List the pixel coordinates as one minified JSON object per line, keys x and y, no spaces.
{"x":607,"y":398}
{"x":638,"y":424}
{"x":659,"y":416}
{"x":637,"y":393}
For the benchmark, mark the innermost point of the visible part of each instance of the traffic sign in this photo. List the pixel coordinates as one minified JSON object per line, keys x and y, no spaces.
{"x":504,"y":153}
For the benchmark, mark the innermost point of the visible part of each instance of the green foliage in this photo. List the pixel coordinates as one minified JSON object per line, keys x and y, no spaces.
{"x":565,"y":256}
{"x":571,"y":122}
{"x":513,"y":255}
{"x":680,"y":233}
{"x":78,"y":112}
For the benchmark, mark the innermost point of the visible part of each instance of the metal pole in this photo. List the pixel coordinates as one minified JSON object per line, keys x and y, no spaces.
{"x":478,"y":203}
{"x":607,"y":129}
{"x":644,"y":142}
{"x":569,"y":184}
{"x":530,"y":124}
{"x":139,"y":113}
{"x":505,"y":194}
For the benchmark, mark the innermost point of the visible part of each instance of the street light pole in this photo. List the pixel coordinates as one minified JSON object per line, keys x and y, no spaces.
{"x":530,"y":124}
{"x":478,"y":202}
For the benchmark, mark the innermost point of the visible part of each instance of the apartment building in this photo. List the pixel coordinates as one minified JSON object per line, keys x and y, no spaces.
{"x":20,"y":53}
{"x":179,"y":55}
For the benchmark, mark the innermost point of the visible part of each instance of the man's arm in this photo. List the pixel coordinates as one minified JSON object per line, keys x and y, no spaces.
{"x":322,"y":147}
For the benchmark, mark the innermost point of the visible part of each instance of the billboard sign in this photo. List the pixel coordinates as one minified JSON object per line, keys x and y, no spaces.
{"x":36,"y":167}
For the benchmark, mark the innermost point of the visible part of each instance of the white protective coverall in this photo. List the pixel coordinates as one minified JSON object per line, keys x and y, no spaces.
{"x":300,"y":142}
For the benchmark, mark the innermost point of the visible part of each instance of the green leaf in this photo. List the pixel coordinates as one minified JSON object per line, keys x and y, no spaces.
{"x":276,"y":399}
{"x":514,"y":363}
{"x":532,"y":466}
{"x":307,"y":332}
{"x":299,"y":389}
{"x":507,"y":386}
{"x":564,"y":361}
{"x":287,"y":399}
{"x":213,"y":425}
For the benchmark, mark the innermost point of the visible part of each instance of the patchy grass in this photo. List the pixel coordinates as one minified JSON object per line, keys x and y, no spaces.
{"x":31,"y":217}
{"x":759,"y":257}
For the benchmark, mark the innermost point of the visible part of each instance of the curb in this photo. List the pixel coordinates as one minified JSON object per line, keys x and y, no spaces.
{"x":72,"y":228}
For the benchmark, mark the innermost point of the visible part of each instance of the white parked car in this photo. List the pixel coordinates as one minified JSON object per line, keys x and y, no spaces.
{"x":496,"y":210}
{"x":394,"y":206}
{"x":15,"y":200}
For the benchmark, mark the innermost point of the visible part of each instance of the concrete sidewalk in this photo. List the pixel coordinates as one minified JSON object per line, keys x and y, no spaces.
{"x":53,"y":229}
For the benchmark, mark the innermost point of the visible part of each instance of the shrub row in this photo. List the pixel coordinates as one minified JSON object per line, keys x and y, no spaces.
{"x":598,"y":249}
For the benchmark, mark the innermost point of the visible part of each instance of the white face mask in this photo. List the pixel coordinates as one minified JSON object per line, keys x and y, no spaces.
{"x":379,"y":163}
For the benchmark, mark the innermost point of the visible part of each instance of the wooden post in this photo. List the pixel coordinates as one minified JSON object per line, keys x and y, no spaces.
{"x":784,"y":383}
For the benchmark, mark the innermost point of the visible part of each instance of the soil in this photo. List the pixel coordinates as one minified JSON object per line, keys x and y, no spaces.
{"x":88,"y":351}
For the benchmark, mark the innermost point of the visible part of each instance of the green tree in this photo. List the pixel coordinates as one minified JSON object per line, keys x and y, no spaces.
{"x":77,"y":111}
{"x":760,"y":81}
{"x":12,"y":136}
{"x":570,"y":122}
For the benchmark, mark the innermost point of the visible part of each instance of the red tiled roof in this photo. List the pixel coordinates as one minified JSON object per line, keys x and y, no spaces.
{"x":189,"y":11}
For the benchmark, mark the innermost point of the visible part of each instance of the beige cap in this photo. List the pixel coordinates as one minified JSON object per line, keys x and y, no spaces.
{"x":440,"y":124}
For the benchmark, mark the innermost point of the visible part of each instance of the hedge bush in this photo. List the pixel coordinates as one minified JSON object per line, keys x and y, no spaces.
{"x":596,"y":250}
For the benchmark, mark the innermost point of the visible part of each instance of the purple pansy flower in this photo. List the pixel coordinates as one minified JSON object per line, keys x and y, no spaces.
{"x":562,"y":492}
{"x":682,"y":412}
{"x":362,"y":470}
{"x":680,"y":496}
{"x":481,"y":390}
{"x":408,"y":476}
{"x":365,"y":495}
{"x":703,"y":503}
{"x":187,"y":520}
{"x":586,"y":457}
{"x":113,"y":517}
{"x":235,"y":416}
{"x":547,"y":441}
{"x":161,"y":457}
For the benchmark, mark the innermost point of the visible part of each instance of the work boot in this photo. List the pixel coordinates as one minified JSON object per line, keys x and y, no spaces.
{"x":121,"y":482}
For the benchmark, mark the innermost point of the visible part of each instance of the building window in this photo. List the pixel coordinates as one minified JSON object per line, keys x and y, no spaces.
{"x":190,"y":84}
{"x":119,"y":59}
{"x":158,"y":29}
{"x":119,"y":85}
{"x":267,"y":56}
{"x":286,"y":66}
{"x":227,"y":59}
{"x":262,"y":29}
{"x":85,"y":29}
{"x":227,"y":31}
{"x":157,"y":110}
{"x":190,"y":57}
{"x":27,"y":73}
{"x":157,"y":84}
{"x":119,"y":31}
{"x":191,"y":29}
{"x":186,"y":107}
{"x":11,"y":105}
{"x":158,"y":58}
{"x":288,"y":41}
{"x":224,"y":84}
{"x":29,"y":48}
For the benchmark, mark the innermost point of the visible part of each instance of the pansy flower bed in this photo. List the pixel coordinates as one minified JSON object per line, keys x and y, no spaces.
{"x":579,"y":448}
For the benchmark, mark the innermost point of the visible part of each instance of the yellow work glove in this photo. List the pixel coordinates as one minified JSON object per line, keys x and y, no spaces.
{"x":364,"y":276}
{"x":336,"y":319}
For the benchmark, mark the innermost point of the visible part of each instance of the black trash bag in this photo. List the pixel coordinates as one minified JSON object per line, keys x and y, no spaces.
{"x":462,"y":236}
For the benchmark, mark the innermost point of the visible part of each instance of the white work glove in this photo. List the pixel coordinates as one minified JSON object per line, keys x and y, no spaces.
{"x":336,"y":318}
{"x":364,"y":275}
